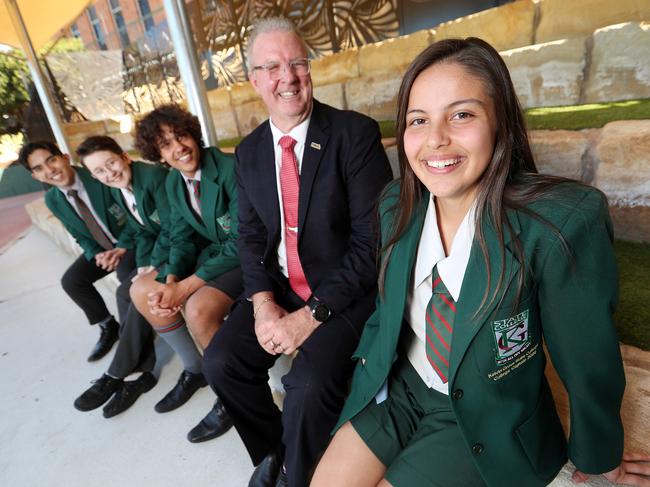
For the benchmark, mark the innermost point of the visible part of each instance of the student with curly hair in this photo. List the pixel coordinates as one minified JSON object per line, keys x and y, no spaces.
{"x":202,"y":274}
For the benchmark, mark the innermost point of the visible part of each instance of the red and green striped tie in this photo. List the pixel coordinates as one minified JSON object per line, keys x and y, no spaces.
{"x":440,"y":314}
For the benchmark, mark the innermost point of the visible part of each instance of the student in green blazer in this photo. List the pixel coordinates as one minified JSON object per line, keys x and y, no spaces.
{"x":139,"y":189}
{"x":484,"y":261}
{"x":202,"y":275}
{"x":89,"y":214}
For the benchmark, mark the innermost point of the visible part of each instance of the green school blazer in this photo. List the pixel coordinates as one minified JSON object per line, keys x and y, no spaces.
{"x":110,"y":213}
{"x":206,"y":246}
{"x":497,"y":387}
{"x":152,"y":236}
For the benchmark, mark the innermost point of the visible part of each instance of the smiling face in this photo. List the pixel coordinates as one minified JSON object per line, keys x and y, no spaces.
{"x":51,"y":169}
{"x":450,"y":132}
{"x":180,"y":151}
{"x":288,"y":99}
{"x":109,"y":168}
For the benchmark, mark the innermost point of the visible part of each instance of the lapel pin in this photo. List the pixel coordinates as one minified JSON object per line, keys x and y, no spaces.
{"x":315,"y":145}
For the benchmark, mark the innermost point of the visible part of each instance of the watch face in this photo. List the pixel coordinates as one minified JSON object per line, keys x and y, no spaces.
{"x":321,"y":312}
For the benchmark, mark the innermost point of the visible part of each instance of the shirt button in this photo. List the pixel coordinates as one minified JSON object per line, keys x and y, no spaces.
{"x":458,"y":393}
{"x":477,"y":449}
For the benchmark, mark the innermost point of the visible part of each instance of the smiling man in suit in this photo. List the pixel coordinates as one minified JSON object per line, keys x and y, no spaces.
{"x":309,"y":179}
{"x":89,"y":214}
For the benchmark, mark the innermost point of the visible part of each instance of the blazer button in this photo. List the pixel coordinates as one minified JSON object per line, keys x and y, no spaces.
{"x":458,"y":394}
{"x":477,"y":449}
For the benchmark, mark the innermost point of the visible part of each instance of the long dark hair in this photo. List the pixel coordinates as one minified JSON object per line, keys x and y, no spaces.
{"x":510,"y":180}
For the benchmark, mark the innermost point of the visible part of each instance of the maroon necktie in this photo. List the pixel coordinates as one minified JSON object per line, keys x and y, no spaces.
{"x":90,"y":221}
{"x":439,"y":325}
{"x":290,"y":185}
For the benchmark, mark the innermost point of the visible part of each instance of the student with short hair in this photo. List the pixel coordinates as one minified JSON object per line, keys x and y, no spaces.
{"x":202,"y":274}
{"x":97,"y":223}
{"x":139,"y":189}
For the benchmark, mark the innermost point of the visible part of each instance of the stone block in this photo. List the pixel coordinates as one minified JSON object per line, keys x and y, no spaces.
{"x":623,"y":172}
{"x":331,"y":94}
{"x":504,"y":27}
{"x":620,"y":63}
{"x":335,"y":68}
{"x":374,"y":96}
{"x":84,"y":129}
{"x":392,"y":55}
{"x":225,"y":123}
{"x":126,"y":141}
{"x":219,"y":99}
{"x":391,"y":152}
{"x":559,"y":152}
{"x":561,"y":19}
{"x":634,"y":409}
{"x":250,"y":115}
{"x":241,"y":93}
{"x":631,"y":222}
{"x":547,"y":74}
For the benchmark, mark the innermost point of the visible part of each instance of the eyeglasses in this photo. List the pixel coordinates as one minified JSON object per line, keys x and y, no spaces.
{"x":275,"y":71}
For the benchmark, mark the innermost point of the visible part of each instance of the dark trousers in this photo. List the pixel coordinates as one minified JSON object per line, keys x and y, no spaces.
{"x":135,"y":351}
{"x":78,"y":282}
{"x":236,"y":367}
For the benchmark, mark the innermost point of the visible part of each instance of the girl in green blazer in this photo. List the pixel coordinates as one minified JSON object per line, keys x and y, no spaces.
{"x":484,"y":262}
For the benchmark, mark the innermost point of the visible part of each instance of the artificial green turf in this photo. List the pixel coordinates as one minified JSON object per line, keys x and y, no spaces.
{"x":593,"y":115}
{"x":632,"y":316}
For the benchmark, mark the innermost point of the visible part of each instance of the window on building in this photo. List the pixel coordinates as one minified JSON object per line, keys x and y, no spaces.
{"x":145,"y":14}
{"x":116,"y":10}
{"x":75,"y":31}
{"x":97,"y":28}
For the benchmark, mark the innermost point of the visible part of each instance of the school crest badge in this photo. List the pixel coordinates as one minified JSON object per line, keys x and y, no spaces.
{"x":224,"y":222}
{"x":512,"y":337}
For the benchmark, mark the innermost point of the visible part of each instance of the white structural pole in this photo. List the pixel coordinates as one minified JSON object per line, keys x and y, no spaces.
{"x":42,"y":86}
{"x":188,"y":65}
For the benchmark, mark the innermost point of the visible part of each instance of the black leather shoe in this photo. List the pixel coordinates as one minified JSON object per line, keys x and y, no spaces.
{"x":130,"y":391}
{"x":215,"y":424}
{"x":108,"y":335}
{"x":101,"y":390}
{"x":266,"y":473}
{"x":188,"y":383}
{"x":282,"y":481}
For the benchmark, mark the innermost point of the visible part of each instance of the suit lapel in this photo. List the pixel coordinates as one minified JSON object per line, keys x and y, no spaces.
{"x":398,"y":273}
{"x":467,"y":323}
{"x":265,"y":167}
{"x":68,"y":214}
{"x":209,"y":193}
{"x":315,"y":143}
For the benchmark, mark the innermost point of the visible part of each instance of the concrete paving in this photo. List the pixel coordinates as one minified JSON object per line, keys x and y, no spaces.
{"x":44,"y":441}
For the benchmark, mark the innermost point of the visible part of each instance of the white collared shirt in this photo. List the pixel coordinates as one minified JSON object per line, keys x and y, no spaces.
{"x":190,"y":189}
{"x":451,"y":270}
{"x":299,"y":134}
{"x":129,"y":199}
{"x":78,"y":186}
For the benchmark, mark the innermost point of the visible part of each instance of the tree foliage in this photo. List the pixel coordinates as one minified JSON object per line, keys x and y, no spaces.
{"x":15,"y":79}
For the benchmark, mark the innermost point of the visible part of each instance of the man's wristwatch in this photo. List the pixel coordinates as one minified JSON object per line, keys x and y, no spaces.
{"x":319,"y":310}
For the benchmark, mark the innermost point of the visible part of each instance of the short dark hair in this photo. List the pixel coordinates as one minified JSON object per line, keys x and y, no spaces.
{"x":28,"y":149}
{"x":148,"y":131}
{"x":98,"y":143}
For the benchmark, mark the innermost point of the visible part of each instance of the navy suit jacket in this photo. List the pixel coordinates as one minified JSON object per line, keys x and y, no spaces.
{"x":343,"y":172}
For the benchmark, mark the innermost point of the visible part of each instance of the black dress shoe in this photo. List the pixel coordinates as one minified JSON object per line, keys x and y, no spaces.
{"x":101,"y":390}
{"x":130,"y":391}
{"x":216,"y":423}
{"x":188,"y":383}
{"x":266,"y":473}
{"x":108,"y":335}
{"x":282,"y":481}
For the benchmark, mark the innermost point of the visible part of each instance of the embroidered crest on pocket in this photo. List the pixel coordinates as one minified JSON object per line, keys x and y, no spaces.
{"x":224,"y":222}
{"x":512,"y":337}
